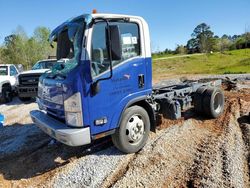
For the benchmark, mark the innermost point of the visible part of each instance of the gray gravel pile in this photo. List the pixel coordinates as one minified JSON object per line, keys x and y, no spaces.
{"x":89,"y":171}
{"x":221,"y":161}
{"x":222,"y":76}
{"x":164,"y":160}
{"x":233,"y":77}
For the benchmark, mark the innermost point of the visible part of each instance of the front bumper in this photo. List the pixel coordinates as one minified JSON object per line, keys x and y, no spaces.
{"x":27,"y":91}
{"x":59,"y":131}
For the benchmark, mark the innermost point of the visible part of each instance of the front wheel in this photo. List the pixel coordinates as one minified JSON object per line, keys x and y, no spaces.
{"x":7,"y":94}
{"x":134,"y":129}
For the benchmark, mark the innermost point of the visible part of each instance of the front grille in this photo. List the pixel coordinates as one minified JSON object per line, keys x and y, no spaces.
{"x":28,"y":90}
{"x":28,"y":80}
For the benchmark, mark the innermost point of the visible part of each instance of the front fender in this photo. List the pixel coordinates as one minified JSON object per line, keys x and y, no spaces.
{"x":127,"y":101}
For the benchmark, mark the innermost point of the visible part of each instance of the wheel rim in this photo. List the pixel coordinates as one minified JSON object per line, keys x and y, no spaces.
{"x":135,"y":129}
{"x":218,"y":100}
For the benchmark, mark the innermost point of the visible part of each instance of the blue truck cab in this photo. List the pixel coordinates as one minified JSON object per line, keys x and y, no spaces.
{"x":104,"y":85}
{"x":101,"y":85}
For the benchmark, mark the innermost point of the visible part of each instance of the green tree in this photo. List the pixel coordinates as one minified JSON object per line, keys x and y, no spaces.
{"x":19,"y":49}
{"x":202,"y":39}
{"x":41,"y":36}
{"x":240,"y":42}
{"x":247,"y":39}
{"x":168,"y":51}
{"x":1,"y":55}
{"x":224,"y":43}
{"x":180,"y":49}
{"x":13,"y":51}
{"x":192,"y":46}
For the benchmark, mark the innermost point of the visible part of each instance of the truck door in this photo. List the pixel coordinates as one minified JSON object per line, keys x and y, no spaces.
{"x":128,"y":74}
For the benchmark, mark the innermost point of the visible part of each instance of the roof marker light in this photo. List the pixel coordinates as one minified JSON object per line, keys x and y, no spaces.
{"x":94,"y":11}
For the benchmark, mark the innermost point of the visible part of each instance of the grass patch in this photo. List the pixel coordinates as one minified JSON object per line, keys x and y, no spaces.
{"x":231,"y":62}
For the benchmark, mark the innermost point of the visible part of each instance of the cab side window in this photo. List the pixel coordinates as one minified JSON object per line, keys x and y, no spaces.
{"x":99,"y":51}
{"x":13,"y":71}
{"x":130,"y":40}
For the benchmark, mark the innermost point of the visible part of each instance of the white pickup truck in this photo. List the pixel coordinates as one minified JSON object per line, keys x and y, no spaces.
{"x":28,"y":80}
{"x":8,"y":81}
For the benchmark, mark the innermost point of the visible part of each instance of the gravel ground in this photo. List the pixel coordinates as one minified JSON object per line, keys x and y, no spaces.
{"x":237,"y":77}
{"x":18,"y":130}
{"x":190,"y":152}
{"x":15,"y":140}
{"x":17,"y":112}
{"x":89,"y":171}
{"x":193,"y":155}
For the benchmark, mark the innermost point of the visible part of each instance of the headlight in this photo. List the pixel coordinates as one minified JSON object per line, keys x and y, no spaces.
{"x":40,"y":90}
{"x":73,"y":110}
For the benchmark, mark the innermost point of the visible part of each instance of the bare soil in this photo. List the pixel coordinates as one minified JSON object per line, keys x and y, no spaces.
{"x":190,"y":152}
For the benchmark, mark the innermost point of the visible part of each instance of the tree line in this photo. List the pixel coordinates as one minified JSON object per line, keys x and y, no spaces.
{"x":18,"y":48}
{"x":203,"y":40}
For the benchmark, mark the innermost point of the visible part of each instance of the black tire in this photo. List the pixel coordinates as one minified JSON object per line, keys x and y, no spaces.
{"x":134,"y":129}
{"x":213,"y":102}
{"x":198,"y":100}
{"x":24,"y":99}
{"x":7,"y":94}
{"x":249,"y":117}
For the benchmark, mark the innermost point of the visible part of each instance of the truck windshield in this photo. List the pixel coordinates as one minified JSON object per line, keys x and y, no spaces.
{"x":69,"y":40}
{"x":3,"y":70}
{"x":43,"y":65}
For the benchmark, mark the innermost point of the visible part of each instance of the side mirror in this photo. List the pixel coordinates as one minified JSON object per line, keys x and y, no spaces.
{"x":115,"y":40}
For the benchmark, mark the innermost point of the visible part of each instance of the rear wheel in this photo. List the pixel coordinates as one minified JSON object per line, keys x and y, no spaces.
{"x":213,"y":102}
{"x":249,"y":117}
{"x":198,"y":99}
{"x":134,"y":129}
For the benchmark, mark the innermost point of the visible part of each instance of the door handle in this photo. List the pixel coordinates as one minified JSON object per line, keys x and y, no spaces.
{"x":141,"y":81}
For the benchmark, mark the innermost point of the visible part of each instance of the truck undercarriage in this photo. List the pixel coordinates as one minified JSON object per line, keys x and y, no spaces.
{"x":206,"y":98}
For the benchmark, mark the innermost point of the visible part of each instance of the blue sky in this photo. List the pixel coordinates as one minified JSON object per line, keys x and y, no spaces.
{"x":171,"y":21}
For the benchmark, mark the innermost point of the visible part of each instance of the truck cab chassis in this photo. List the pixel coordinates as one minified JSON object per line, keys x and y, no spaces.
{"x":105,"y":86}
